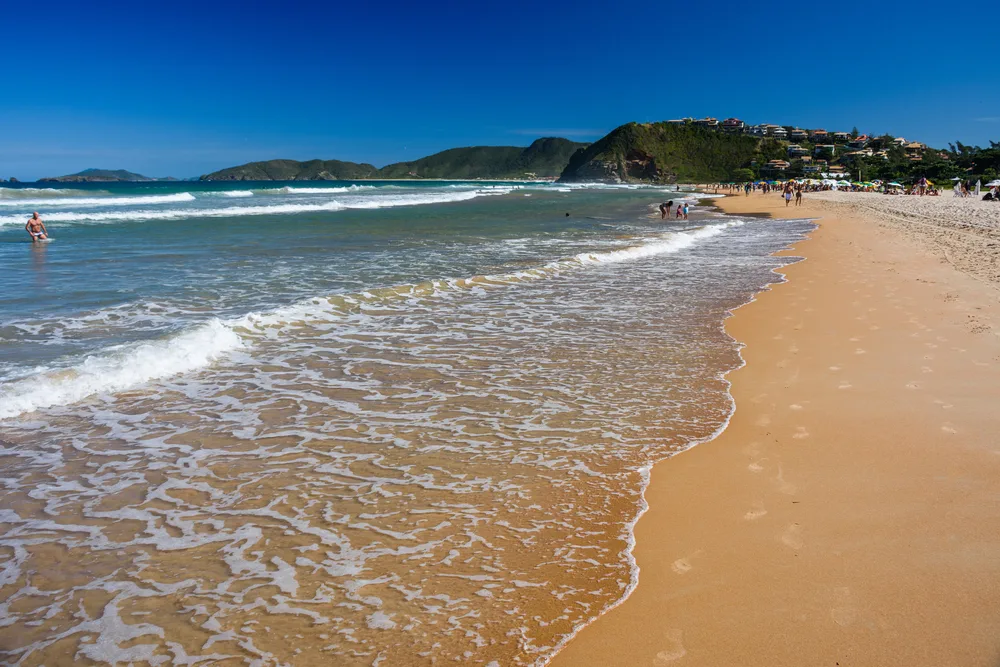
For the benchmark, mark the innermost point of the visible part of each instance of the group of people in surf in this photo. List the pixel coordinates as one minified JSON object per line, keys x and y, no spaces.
{"x":682,"y":210}
{"x":36,"y":228}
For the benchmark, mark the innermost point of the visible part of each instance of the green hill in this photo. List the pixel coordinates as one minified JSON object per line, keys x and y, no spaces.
{"x":293,"y":170}
{"x":544,"y":158}
{"x":663,"y":153}
{"x":101,"y":175}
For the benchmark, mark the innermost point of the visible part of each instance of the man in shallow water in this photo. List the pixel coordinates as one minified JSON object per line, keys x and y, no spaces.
{"x":36,"y":228}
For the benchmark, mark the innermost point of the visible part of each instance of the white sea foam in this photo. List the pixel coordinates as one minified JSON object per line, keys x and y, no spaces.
{"x":124,"y":367}
{"x":28,"y":193}
{"x":119,"y":368}
{"x":100,"y":201}
{"x":234,"y":193}
{"x":674,"y":242}
{"x":239,"y":211}
{"x":289,"y":190}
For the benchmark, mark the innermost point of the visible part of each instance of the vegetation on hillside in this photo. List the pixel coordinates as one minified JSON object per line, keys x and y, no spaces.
{"x":545,"y":158}
{"x":102,"y":175}
{"x":666,"y":153}
{"x":293,"y":170}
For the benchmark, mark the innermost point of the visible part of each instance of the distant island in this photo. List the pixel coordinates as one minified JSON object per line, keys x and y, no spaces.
{"x":544,"y":158}
{"x":101,"y":176}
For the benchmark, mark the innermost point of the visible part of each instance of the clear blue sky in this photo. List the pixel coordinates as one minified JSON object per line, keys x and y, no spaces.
{"x":184,"y":88}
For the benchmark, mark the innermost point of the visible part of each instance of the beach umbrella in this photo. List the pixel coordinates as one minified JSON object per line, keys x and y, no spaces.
{"x":896,"y":185}
{"x":993,"y":184}
{"x":955,"y":179}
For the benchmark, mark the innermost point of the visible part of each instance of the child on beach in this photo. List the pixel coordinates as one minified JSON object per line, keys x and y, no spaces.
{"x":680,"y":211}
{"x":685,"y":211}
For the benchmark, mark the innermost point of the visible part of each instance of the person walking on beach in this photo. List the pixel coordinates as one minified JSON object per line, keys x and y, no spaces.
{"x":788,"y":193}
{"x":36,"y":228}
{"x":798,"y":196}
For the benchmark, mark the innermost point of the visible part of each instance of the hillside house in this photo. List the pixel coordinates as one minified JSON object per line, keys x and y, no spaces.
{"x":859,"y":142}
{"x":779,"y":133}
{"x":777,"y":165}
{"x":819,"y":135}
{"x":842,"y":136}
{"x":798,"y":135}
{"x":797,"y":151}
{"x":733,"y":125}
{"x":825,"y":149}
{"x":710,"y":123}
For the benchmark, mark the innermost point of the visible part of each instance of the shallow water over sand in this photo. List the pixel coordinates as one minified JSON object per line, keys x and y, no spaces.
{"x":409,"y":474}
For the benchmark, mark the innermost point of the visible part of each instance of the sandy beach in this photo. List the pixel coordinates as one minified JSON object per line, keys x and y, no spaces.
{"x":849,"y":514}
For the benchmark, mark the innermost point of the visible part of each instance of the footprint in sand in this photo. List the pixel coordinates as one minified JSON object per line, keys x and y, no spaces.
{"x":874,"y":327}
{"x":795,"y":406}
{"x":683,"y":565}
{"x":948,"y":428}
{"x":785,"y":487}
{"x":855,"y":339}
{"x":844,"y":385}
{"x":834,"y":368}
{"x":926,"y":369}
{"x":860,"y":351}
{"x":792,"y":537}
{"x":944,"y":406}
{"x":913,"y":385}
{"x":755,"y":513}
{"x":844,"y":612}
{"x":800,"y":433}
{"x":674,"y":649}
{"x":763,"y":420}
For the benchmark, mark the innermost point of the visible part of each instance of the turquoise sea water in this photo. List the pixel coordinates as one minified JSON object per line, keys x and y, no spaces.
{"x":352,"y":423}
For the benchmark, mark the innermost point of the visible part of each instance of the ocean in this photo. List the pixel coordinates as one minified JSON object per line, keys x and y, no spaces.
{"x":352,"y":423}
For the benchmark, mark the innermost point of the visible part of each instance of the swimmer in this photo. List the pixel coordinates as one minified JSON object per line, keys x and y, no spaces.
{"x":36,"y":228}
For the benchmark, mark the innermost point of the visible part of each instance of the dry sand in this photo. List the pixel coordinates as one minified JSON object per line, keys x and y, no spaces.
{"x":850,"y":514}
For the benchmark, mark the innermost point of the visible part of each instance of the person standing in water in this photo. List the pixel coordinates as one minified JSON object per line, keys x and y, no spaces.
{"x":36,"y":228}
{"x":685,"y":211}
{"x":665,"y":209}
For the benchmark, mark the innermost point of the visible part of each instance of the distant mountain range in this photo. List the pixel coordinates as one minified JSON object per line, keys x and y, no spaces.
{"x":545,"y":158}
{"x":101,"y":176}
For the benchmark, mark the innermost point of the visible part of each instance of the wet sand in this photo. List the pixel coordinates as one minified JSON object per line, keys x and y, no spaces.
{"x":850,"y":514}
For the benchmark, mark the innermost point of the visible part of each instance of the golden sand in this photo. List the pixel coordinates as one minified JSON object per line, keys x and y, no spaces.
{"x":850,"y":514}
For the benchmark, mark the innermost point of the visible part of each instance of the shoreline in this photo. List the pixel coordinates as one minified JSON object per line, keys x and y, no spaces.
{"x":717,"y":584}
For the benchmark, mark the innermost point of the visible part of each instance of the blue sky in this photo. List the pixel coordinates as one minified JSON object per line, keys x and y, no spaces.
{"x":185,"y":88}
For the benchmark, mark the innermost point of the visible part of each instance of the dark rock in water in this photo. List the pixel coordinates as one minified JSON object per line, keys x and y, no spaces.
{"x":14,"y":180}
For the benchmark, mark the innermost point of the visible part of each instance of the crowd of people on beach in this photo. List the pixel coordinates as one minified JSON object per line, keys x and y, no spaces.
{"x":793,"y":188}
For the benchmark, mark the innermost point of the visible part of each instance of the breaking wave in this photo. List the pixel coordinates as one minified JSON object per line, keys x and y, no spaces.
{"x":124,"y":367}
